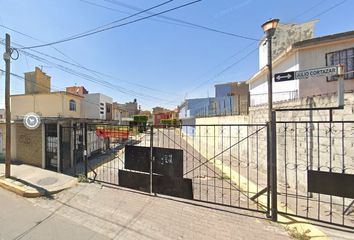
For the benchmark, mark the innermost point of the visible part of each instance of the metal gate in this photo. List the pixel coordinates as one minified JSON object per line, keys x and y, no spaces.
{"x":315,"y":170}
{"x":220,"y":164}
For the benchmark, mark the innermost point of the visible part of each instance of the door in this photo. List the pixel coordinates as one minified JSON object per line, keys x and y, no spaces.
{"x":51,"y":147}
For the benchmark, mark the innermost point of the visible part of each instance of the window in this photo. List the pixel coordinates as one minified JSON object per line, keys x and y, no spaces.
{"x":108,"y":110}
{"x":345,"y":57}
{"x":72,"y":105}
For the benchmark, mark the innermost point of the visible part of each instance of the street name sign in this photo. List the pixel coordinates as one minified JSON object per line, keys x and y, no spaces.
{"x":306,"y":74}
{"x":316,"y":72}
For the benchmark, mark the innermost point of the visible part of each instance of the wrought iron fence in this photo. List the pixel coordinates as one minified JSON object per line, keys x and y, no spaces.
{"x":314,"y":160}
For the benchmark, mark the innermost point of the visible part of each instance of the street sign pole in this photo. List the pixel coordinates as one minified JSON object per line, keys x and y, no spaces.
{"x":340,"y":86}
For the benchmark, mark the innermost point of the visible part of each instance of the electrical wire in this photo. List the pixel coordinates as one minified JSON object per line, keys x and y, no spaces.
{"x":185,"y":23}
{"x":91,"y":78}
{"x":112,"y":27}
{"x":77,"y":64}
{"x":330,"y":9}
{"x":152,"y":19}
{"x":121,"y":19}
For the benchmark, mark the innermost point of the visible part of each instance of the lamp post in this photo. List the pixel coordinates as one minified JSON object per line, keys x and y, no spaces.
{"x":269,"y":28}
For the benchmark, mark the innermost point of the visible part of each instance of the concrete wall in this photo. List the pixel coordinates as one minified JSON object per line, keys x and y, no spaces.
{"x":46,"y":105}
{"x":314,"y":145}
{"x":29,"y":145}
{"x":37,"y":82}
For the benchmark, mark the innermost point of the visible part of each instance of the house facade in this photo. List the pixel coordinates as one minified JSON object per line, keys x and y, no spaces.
{"x":97,"y":106}
{"x":58,"y":142}
{"x":318,"y":52}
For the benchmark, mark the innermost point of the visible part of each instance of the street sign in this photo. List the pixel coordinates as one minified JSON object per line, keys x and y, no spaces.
{"x":305,"y":74}
{"x":316,"y":72}
{"x":285,"y":76}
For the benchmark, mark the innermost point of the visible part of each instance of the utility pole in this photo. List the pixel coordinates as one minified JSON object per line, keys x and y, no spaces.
{"x":7,"y":57}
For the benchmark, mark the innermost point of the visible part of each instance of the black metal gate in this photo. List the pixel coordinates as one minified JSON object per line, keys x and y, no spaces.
{"x":219,"y":164}
{"x":315,"y":170}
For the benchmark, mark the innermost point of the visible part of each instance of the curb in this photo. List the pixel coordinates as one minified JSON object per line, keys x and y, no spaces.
{"x":29,"y":192}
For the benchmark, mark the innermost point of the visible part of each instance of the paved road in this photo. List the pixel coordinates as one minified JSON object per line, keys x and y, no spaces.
{"x":21,"y":219}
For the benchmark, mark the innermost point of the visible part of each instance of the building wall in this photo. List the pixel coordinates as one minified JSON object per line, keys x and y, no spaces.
{"x":94,"y":106}
{"x":314,"y":58}
{"x":46,"y":105}
{"x":281,"y":90}
{"x":259,"y":115}
{"x":285,"y":35}
{"x":29,"y":145}
{"x":223,"y":90}
{"x":37,"y":82}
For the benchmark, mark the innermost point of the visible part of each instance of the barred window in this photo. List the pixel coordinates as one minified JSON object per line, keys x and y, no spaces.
{"x":345,"y":57}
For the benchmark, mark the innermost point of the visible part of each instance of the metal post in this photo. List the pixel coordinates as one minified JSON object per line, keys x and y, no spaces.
{"x":75,"y":150}
{"x":272,"y":135}
{"x":151,"y":155}
{"x":340,"y":86}
{"x":268,"y":170}
{"x":85,"y":149}
{"x":273,"y":153}
{"x":7,"y":56}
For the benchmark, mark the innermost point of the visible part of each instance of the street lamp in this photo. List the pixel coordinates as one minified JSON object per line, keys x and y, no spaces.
{"x":269,"y":28}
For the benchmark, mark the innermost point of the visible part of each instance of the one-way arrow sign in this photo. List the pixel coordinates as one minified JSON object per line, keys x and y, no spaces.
{"x":285,"y":76}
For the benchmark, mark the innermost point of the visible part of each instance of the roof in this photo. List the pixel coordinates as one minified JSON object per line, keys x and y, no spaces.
{"x":324,"y":39}
{"x":49,"y":93}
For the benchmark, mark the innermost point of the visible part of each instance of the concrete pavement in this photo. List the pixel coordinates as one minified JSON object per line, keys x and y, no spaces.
{"x":118,"y":213}
{"x":21,"y":219}
{"x":28,"y":181}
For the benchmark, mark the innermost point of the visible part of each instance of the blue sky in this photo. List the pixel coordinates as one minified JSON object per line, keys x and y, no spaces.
{"x":158,"y":62}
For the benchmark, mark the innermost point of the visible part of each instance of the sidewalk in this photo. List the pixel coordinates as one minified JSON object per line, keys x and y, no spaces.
{"x":29,"y":181}
{"x":118,"y":213}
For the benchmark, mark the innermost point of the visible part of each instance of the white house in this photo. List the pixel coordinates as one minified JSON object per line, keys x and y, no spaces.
{"x":97,"y":106}
{"x":317,"y":52}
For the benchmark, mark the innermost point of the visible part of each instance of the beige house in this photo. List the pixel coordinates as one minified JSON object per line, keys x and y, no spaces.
{"x":58,"y":143}
{"x":51,"y":145}
{"x":53,"y":104}
{"x":317,"y":52}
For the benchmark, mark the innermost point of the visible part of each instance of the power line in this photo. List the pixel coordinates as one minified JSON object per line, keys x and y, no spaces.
{"x":108,"y":28}
{"x":184,"y":22}
{"x":77,"y":64}
{"x":330,"y":8}
{"x":308,"y":10}
{"x":91,"y":78}
{"x":117,"y":10}
{"x":122,"y":19}
{"x":226,"y":69}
